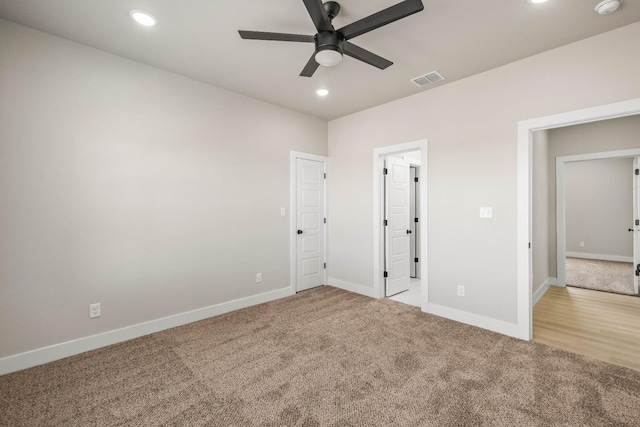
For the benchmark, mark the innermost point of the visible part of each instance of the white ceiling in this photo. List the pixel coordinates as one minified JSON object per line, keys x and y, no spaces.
{"x":199,"y":39}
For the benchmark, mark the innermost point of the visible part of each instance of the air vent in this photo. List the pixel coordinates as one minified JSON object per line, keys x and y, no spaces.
{"x":427,"y":79}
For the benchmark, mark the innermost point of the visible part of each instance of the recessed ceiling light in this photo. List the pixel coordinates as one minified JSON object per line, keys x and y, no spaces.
{"x":143,"y":18}
{"x":536,"y":1}
{"x":322,"y":92}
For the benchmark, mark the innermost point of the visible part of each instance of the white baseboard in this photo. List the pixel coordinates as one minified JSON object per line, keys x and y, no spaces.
{"x":352,"y":287}
{"x":601,"y":257}
{"x":495,"y":325}
{"x":551,"y":281}
{"x":48,"y":354}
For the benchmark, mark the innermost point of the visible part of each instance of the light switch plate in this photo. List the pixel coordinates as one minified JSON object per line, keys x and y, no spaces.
{"x":283,"y":211}
{"x":486,"y":212}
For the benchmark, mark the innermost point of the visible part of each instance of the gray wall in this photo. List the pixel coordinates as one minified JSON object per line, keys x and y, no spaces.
{"x":540,"y":215}
{"x":602,"y":136}
{"x":599,"y":207}
{"x":471,"y":126}
{"x":134,"y":187}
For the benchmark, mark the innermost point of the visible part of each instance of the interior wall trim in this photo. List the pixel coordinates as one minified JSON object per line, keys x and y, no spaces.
{"x":601,"y":257}
{"x":495,"y":325}
{"x":59,"y":351}
{"x":542,"y":289}
{"x":352,"y":287}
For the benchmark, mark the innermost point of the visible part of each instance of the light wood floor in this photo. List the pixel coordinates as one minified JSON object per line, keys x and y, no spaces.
{"x":601,"y":325}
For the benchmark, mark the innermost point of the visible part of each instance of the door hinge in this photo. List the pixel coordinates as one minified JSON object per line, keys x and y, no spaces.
{"x":325,"y":220}
{"x":637,"y":171}
{"x":415,"y":219}
{"x":325,"y":175}
{"x":415,"y":260}
{"x":325,"y":265}
{"x":385,"y":223}
{"x":385,"y":274}
{"x":637,"y":221}
{"x":530,"y":242}
{"x":385,"y":171}
{"x":415,"y":179}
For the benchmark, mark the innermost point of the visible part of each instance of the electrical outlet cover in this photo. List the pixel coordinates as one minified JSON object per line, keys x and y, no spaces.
{"x":486,"y":212}
{"x":94,"y":310}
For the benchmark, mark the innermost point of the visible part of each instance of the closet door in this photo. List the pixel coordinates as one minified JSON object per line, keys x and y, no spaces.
{"x":397,"y":229}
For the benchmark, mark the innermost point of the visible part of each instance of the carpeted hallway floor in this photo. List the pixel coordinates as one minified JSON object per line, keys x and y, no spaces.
{"x":608,"y":276}
{"x":323,"y":357}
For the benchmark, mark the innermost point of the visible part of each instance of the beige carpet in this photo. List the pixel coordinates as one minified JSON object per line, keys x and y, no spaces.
{"x":608,"y":276}
{"x":324,"y":357}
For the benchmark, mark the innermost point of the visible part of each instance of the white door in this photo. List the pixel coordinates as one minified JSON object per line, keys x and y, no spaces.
{"x":397,"y":229}
{"x":636,"y":225}
{"x":309,"y":224}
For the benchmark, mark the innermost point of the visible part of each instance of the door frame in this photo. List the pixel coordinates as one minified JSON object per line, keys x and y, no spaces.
{"x":636,"y":218}
{"x":293,"y":212}
{"x":414,"y":163}
{"x":561,"y":202}
{"x":378,"y":214}
{"x":524,"y":190}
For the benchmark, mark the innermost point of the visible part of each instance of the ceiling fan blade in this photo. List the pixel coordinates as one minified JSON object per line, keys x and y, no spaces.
{"x":384,"y":17}
{"x":260,"y":35}
{"x":365,"y":56}
{"x":311,"y":67}
{"x":318,"y":15}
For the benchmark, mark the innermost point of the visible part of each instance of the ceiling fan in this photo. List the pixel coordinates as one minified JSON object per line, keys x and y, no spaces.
{"x":330,"y":43}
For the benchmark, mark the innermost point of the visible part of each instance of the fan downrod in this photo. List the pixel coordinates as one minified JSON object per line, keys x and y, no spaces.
{"x":332,"y":8}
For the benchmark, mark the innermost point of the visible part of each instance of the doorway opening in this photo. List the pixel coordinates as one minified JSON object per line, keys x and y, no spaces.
{"x":526,"y":130}
{"x":598,"y":220}
{"x":400,"y":232}
{"x":583,"y":187}
{"x":402,"y":227}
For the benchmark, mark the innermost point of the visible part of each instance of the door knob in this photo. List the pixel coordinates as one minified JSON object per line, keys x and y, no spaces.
{"x":408,"y":231}
{"x":631,"y":229}
{"x":299,"y":231}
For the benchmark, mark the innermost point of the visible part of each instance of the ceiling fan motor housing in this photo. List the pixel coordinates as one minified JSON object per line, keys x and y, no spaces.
{"x":329,"y":48}
{"x":329,"y":40}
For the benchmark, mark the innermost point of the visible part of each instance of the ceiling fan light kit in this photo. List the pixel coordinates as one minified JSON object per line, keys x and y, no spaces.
{"x":328,"y":57}
{"x":329,"y":48}
{"x":332,"y":44}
